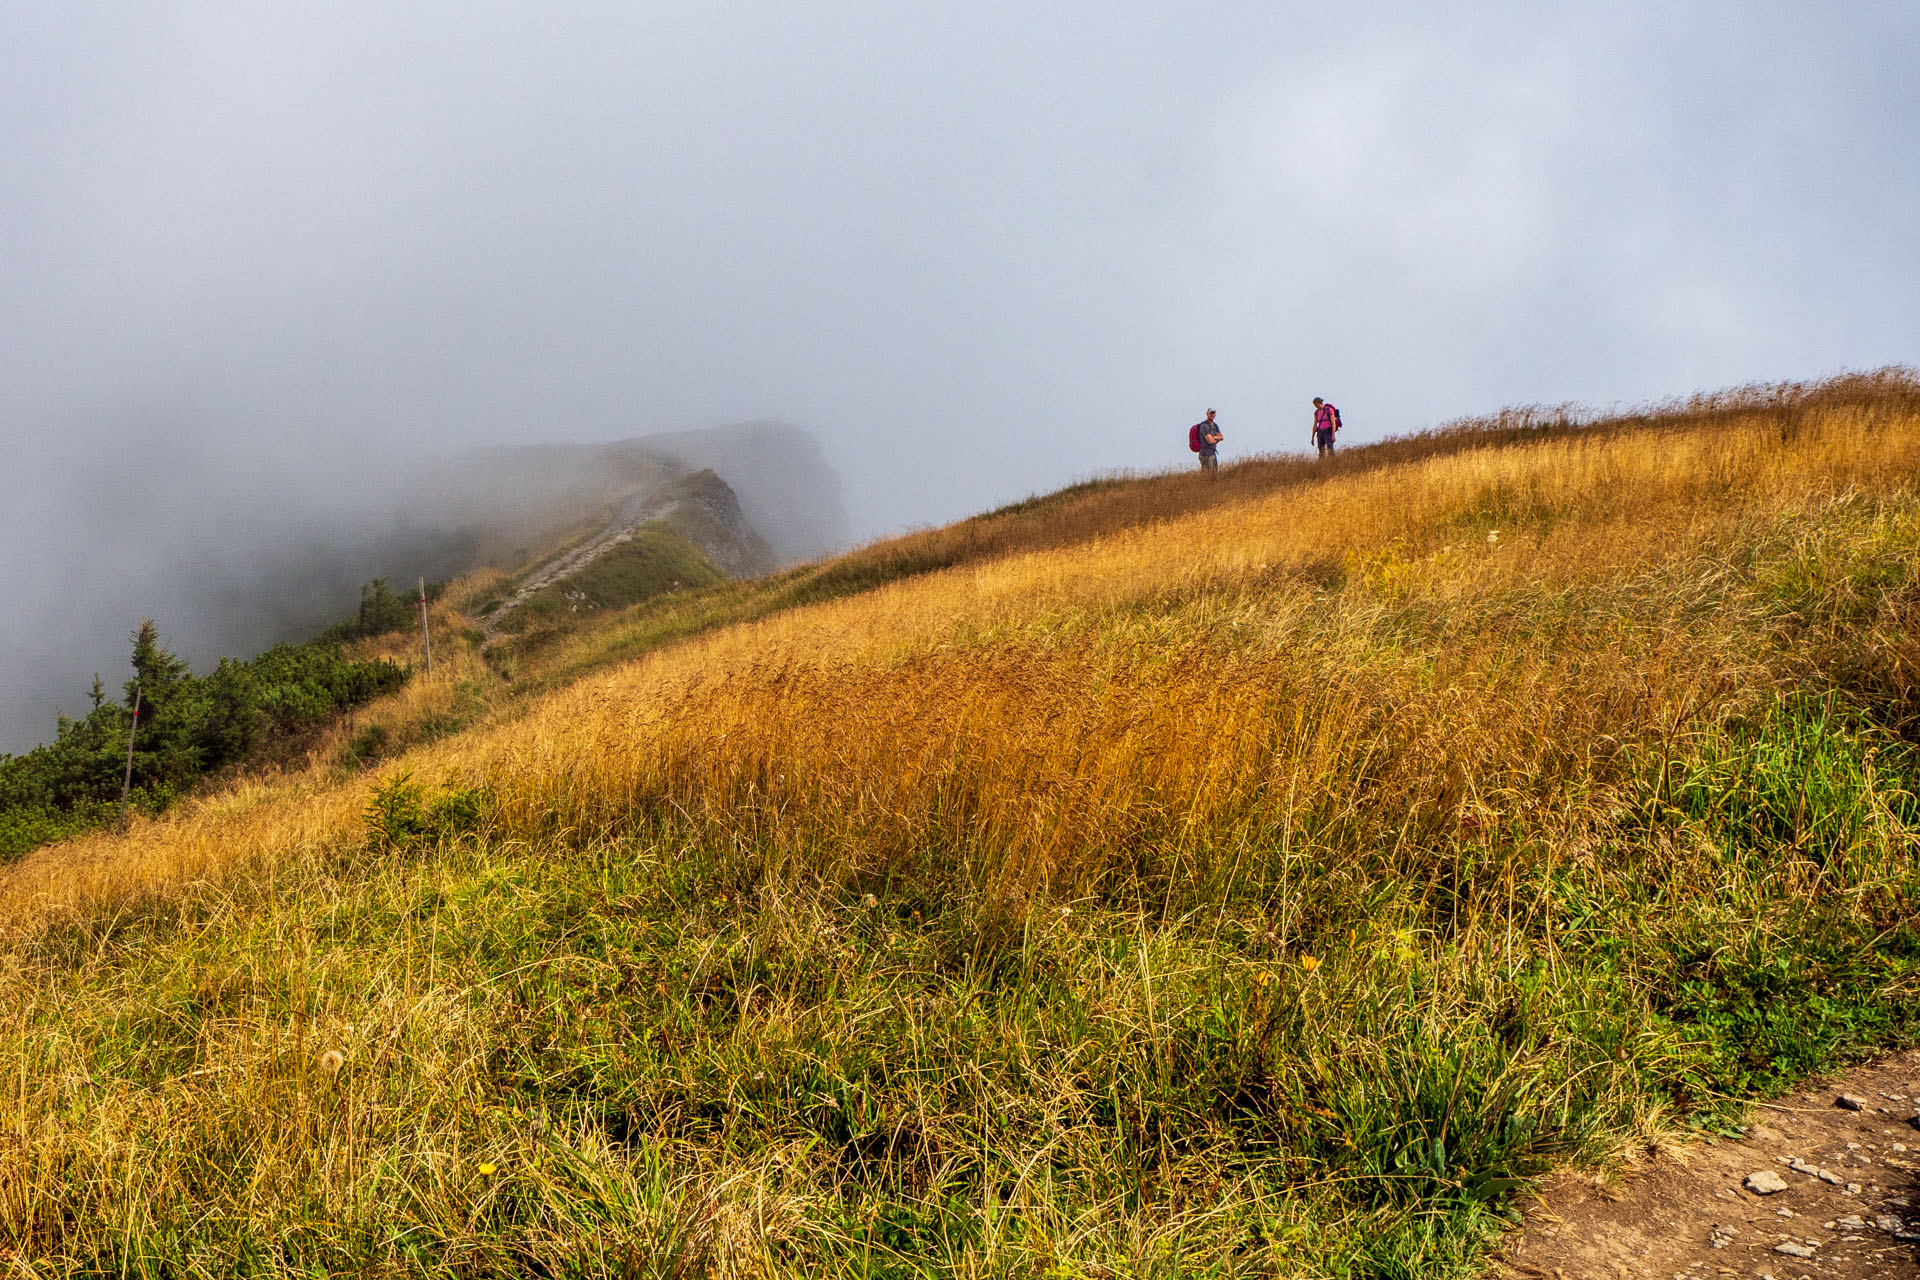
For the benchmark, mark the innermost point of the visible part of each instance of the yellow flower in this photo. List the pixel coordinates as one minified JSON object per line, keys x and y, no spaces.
{"x":1309,"y":963}
{"x":487,"y":1170}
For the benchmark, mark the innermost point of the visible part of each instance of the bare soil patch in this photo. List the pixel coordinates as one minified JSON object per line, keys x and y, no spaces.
{"x":1689,"y":1213}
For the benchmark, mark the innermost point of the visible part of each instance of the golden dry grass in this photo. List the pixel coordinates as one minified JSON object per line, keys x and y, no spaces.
{"x":1381,"y":647}
{"x":1169,"y":876}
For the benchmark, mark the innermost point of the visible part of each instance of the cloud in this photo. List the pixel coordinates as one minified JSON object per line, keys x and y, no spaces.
{"x":979,"y":250}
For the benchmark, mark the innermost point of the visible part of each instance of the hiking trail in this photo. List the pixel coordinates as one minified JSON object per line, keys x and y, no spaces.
{"x":700,"y":507}
{"x":1848,"y":1207}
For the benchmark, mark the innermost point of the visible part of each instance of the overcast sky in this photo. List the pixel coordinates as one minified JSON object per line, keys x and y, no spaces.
{"x":978,"y":249}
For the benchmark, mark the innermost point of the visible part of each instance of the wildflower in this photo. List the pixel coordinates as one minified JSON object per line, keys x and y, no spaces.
{"x":487,"y":1170}
{"x":869,"y":901}
{"x":1309,"y":963}
{"x":332,"y":1060}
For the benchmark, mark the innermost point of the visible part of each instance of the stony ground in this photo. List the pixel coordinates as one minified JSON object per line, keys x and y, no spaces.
{"x":1848,"y":1207}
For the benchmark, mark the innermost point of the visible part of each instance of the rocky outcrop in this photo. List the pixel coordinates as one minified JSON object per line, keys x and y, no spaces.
{"x":786,"y":488}
{"x":700,"y":508}
{"x":703,"y":509}
{"x":512,"y":501}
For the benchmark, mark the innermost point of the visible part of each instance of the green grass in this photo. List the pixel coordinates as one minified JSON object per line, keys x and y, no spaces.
{"x":656,"y":561}
{"x":1532,"y":915}
{"x":652,"y":1041}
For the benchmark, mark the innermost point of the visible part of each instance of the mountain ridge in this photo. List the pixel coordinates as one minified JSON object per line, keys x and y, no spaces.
{"x":234,"y":561}
{"x":700,"y":508}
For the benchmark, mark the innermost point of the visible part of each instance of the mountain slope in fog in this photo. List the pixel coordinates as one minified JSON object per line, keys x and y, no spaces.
{"x":687,"y":532}
{"x":231,"y":560}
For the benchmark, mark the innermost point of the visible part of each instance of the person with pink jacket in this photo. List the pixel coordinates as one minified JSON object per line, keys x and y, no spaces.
{"x":1326,"y":421}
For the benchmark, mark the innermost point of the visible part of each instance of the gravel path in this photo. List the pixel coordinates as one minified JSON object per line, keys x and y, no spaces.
{"x":1823,"y":1186}
{"x":635,"y":512}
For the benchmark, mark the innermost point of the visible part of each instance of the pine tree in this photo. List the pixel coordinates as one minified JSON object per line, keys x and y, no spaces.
{"x":382,"y":611}
{"x":229,"y":715}
{"x":170,"y":711}
{"x":156,"y":672}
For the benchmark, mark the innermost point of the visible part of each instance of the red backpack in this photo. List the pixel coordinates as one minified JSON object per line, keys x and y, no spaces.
{"x":1194,"y":442}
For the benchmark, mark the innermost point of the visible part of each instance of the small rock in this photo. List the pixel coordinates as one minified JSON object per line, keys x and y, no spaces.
{"x":1793,"y":1249}
{"x":1852,"y":1188}
{"x":1852,"y":1222}
{"x":1764,"y":1182}
{"x":1851,"y":1101}
{"x":1888,"y":1223}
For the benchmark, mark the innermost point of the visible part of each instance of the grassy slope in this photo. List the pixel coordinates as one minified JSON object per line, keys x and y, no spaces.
{"x":1156,"y":878}
{"x":656,"y":561}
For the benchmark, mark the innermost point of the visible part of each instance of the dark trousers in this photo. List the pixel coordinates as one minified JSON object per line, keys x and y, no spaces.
{"x":1209,"y":460}
{"x":1323,"y":441}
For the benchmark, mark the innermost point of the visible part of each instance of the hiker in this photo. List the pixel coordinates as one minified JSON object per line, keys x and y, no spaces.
{"x":1203,"y":438}
{"x":1326,"y":421}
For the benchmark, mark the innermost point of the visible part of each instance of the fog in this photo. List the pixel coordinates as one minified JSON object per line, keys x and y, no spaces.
{"x":261,"y":260}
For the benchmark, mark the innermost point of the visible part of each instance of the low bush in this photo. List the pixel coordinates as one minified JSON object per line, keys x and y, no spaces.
{"x":188,"y":726}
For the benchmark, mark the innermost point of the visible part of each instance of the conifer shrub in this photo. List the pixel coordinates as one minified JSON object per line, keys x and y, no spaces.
{"x":188,"y":726}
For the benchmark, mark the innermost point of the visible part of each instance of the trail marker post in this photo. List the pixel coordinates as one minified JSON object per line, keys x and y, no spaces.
{"x":426,"y":636}
{"x":126,"y":783}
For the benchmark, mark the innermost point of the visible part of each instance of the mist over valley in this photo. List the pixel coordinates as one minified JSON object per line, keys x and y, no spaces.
{"x":232,"y":559}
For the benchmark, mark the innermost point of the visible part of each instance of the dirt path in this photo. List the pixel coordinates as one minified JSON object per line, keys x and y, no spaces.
{"x":1691,"y":1215}
{"x":636,"y":511}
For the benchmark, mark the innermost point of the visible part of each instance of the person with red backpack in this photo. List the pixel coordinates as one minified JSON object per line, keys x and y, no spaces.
{"x":1326,"y":421}
{"x":1203,"y":438}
